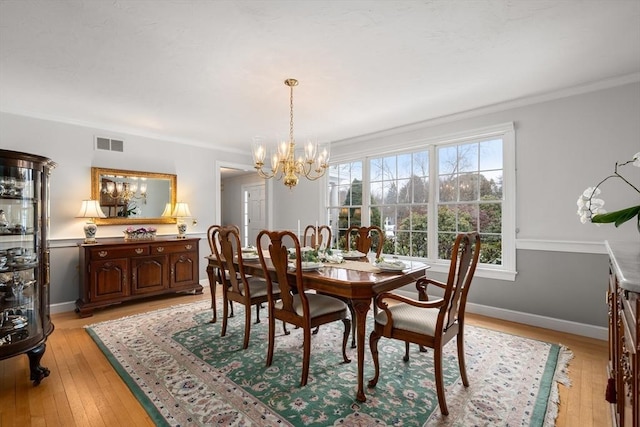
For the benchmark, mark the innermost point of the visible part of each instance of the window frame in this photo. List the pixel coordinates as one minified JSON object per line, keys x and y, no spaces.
{"x":506,"y":131}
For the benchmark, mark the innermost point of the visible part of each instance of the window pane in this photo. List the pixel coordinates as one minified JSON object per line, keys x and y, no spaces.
{"x":491,"y":154}
{"x":445,"y":245}
{"x":491,"y":185}
{"x":491,"y":249}
{"x":377,"y":192}
{"x":447,"y":218}
{"x":468,"y":157}
{"x":421,"y":163}
{"x":376,"y":169}
{"x":467,"y":218}
{"x":448,"y":189}
{"x":406,"y":191}
{"x":448,"y":160}
{"x":404,"y":166}
{"x":491,"y":218}
{"x":468,"y":185}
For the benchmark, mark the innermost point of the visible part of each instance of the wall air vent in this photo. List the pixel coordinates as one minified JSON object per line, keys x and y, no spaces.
{"x":109,"y":144}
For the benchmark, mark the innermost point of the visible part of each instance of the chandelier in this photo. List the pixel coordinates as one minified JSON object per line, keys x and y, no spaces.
{"x":311,"y":164}
{"x":125,"y":191}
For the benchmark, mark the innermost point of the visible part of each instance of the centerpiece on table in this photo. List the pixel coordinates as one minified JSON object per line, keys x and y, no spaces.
{"x":139,"y":233}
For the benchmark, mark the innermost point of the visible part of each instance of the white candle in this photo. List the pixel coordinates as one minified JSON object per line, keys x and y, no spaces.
{"x":298,"y":229}
{"x":317,"y":242}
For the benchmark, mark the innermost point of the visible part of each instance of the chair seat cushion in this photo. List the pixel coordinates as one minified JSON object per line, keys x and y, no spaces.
{"x":318,"y":304}
{"x":410,"y":318}
{"x":258,"y":287}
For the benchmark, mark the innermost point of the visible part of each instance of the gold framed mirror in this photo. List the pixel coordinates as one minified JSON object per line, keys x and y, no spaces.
{"x":134,"y":197}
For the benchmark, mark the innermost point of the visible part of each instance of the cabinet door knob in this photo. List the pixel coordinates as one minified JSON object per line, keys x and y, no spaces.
{"x":188,"y":247}
{"x":160,"y":249}
{"x":102,"y":254}
{"x":139,"y":250}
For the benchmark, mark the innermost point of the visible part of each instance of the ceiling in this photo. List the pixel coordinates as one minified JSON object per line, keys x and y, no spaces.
{"x":211,"y":73}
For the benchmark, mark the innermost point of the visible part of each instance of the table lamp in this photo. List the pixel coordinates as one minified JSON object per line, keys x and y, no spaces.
{"x":180,"y":212}
{"x":167,"y":210}
{"x":90,"y":209}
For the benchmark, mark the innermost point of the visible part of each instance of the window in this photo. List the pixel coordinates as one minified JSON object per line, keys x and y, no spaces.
{"x":345,"y":199}
{"x":424,"y":195}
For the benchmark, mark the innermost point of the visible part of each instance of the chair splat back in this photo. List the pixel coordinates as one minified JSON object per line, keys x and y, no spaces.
{"x":322,"y":240}
{"x":464,"y":260}
{"x":279,"y":254}
{"x":365,"y":238}
{"x":229,"y":241}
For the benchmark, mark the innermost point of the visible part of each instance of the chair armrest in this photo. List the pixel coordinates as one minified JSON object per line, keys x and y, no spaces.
{"x":380,"y":301}
{"x":421,"y":286}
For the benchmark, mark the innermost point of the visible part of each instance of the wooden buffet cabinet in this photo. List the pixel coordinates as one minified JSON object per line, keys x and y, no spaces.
{"x":623,"y":297}
{"x":117,"y":270}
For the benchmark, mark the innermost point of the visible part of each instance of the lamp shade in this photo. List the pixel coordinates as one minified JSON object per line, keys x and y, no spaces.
{"x":181,"y":210}
{"x":90,"y":209}
{"x":167,"y":210}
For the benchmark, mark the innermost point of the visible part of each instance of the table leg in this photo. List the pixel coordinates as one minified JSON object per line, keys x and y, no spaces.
{"x":361,"y":308}
{"x":212,"y":289}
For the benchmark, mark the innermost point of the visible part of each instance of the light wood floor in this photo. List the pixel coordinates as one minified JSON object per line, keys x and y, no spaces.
{"x":84,"y":390}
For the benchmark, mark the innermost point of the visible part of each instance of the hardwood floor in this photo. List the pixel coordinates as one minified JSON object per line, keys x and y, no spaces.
{"x":84,"y":390}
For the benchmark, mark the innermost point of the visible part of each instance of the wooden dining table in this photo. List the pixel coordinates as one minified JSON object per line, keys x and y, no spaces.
{"x":357,"y":281}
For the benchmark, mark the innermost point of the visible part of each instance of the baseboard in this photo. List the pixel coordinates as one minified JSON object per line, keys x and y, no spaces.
{"x":62,"y":307}
{"x":591,"y":331}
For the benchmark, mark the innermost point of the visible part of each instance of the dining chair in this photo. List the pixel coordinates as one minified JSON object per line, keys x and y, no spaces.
{"x":296,"y":306}
{"x":323,"y":239}
{"x":239,"y":287}
{"x":363,"y":239}
{"x":430,"y":323}
{"x":219,"y":271}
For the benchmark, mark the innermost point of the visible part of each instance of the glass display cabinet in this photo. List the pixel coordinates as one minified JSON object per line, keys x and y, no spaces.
{"x":25,"y":323}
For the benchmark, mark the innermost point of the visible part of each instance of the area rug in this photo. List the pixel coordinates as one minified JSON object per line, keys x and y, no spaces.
{"x":185,"y":374}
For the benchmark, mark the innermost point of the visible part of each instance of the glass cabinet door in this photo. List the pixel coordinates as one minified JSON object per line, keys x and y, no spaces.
{"x":24,"y":258}
{"x":19,"y":249}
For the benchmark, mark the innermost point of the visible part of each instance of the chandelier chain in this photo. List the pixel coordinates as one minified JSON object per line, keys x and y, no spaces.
{"x":291,"y":114}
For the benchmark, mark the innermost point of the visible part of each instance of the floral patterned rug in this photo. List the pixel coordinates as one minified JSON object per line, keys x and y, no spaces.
{"x":185,"y":374}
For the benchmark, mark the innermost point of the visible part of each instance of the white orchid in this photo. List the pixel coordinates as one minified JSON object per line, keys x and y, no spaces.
{"x":590,"y":208}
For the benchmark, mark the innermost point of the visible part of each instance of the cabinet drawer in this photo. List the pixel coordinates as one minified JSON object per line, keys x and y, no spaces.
{"x":118,"y":252}
{"x":162,"y":249}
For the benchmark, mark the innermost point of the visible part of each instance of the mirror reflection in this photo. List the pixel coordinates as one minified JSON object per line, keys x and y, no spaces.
{"x":129,"y":197}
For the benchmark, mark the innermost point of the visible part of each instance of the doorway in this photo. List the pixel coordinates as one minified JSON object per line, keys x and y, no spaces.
{"x":253,"y":215}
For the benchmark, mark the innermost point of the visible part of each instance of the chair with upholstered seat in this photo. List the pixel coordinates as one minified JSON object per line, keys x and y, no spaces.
{"x":237,"y":286}
{"x":303,"y":309}
{"x":219,"y":271}
{"x":363,"y":239}
{"x":322,"y":241}
{"x":430,"y":323}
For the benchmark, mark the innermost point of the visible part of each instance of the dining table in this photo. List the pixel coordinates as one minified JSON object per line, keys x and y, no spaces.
{"x":357,"y":281}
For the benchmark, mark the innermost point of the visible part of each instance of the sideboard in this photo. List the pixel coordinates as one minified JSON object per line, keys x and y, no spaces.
{"x":113,"y":271}
{"x":623,"y":297}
